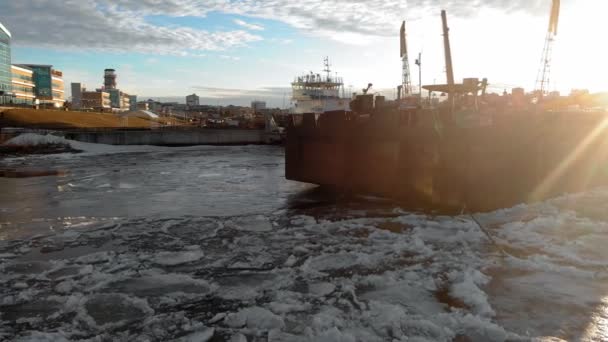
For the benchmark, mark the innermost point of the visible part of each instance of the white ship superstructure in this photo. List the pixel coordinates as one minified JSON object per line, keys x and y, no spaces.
{"x":318,"y":93}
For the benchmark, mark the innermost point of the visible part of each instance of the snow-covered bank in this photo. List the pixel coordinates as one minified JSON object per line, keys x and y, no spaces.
{"x":30,"y":143}
{"x":33,"y":139}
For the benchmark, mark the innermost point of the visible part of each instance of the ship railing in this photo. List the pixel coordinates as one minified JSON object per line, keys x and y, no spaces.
{"x":316,"y":78}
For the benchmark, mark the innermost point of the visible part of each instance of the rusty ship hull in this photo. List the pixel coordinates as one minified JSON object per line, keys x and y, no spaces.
{"x":426,"y":162}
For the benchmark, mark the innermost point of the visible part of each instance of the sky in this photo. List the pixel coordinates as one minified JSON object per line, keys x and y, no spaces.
{"x":232,"y":52}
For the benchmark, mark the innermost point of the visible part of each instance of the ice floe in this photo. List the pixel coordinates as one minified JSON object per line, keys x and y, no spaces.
{"x":276,"y":277}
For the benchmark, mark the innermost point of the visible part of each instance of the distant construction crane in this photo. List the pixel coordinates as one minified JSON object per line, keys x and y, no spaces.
{"x":406,"y":85}
{"x":544,"y":71}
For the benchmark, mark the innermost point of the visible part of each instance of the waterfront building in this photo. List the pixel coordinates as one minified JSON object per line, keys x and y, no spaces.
{"x":49,"y":84}
{"x":258,"y":105}
{"x":154,"y":106}
{"x":119,"y":100}
{"x":22,"y":79}
{"x":98,"y":100}
{"x":192,"y":100}
{"x":76,"y":95}
{"x":132,"y":102}
{"x":114,"y":97}
{"x":5,"y":66}
{"x":125,"y":102}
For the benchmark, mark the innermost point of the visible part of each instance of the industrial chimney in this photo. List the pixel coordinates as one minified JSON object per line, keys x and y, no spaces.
{"x":109,"y":79}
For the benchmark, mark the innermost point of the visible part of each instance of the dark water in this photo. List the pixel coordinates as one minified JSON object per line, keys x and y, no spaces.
{"x":212,"y":243}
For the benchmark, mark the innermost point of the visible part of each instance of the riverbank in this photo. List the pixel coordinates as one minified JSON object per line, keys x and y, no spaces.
{"x":20,"y":150}
{"x":29,"y":143}
{"x":59,"y":119}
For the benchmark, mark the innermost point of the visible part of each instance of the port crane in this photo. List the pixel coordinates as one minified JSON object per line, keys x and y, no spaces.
{"x":406,"y":85}
{"x":544,"y":71}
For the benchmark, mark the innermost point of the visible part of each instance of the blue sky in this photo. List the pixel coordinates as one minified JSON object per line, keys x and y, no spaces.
{"x":232,"y":51}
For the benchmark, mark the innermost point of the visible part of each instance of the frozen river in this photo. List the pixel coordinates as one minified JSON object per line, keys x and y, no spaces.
{"x":213,"y":244}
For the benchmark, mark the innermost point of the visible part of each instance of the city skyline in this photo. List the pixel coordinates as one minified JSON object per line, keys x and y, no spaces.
{"x":235,"y":52}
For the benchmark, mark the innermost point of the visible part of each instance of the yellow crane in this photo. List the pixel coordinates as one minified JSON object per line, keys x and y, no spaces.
{"x":543,"y":76}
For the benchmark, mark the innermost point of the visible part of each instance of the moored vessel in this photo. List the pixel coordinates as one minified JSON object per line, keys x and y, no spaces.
{"x":318,"y":93}
{"x":474,"y":150}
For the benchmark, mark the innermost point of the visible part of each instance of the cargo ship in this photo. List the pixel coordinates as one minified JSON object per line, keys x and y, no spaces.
{"x":474,"y":151}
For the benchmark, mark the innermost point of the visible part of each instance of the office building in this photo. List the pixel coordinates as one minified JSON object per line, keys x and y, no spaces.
{"x":154,"y":106}
{"x":258,"y":105}
{"x":125,"y":101}
{"x":76,"y":95}
{"x":49,"y":84}
{"x":23,"y":85}
{"x":192,"y":100}
{"x":133,"y":102}
{"x":119,"y":100}
{"x":5,"y":66}
{"x":98,"y":100}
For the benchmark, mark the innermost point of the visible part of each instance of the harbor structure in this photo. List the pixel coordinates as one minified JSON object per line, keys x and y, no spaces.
{"x":5,"y":66}
{"x":23,"y":86}
{"x":543,"y":78}
{"x":473,"y":152}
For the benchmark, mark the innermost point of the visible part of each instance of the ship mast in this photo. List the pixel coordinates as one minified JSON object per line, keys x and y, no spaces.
{"x":327,"y":65}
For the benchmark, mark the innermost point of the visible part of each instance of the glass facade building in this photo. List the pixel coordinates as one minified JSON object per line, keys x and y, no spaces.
{"x":49,"y":84}
{"x":43,"y":81}
{"x":5,"y":66}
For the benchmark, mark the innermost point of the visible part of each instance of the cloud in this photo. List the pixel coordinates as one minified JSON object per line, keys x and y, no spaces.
{"x":122,"y":26}
{"x":274,"y":96}
{"x":248,"y":25}
{"x":231,"y":58}
{"x":94,"y":25}
{"x":227,"y":93}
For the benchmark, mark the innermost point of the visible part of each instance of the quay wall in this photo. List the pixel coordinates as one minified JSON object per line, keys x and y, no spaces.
{"x":174,"y":137}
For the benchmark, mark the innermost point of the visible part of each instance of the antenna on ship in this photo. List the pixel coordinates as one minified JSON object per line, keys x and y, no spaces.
{"x":327,"y":65}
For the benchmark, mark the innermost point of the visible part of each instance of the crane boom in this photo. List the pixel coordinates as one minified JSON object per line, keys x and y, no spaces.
{"x":553,"y":21}
{"x":406,"y":77}
{"x":448,"y":57}
{"x":544,"y":71}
